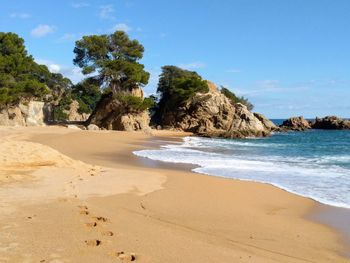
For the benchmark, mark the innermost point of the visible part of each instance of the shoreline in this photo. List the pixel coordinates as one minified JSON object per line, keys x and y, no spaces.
{"x":331,"y":216}
{"x":206,"y":218}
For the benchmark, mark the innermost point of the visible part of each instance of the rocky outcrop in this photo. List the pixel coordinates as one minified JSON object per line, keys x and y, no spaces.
{"x":296,"y":124}
{"x":331,"y":123}
{"x":212,"y":114}
{"x":30,"y":114}
{"x":111,"y":114}
{"x":73,"y":113}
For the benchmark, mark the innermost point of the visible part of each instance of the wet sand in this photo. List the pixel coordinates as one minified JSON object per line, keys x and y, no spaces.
{"x":115,"y":207}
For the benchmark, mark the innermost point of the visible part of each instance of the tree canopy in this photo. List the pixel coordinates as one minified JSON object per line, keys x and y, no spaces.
{"x":176,"y":86}
{"x":112,"y":60}
{"x":20,"y":76}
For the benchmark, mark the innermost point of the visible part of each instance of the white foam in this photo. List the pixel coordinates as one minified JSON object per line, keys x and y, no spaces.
{"x":308,"y":177}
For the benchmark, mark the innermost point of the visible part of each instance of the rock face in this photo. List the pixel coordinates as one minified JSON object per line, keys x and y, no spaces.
{"x":212,"y":114}
{"x":31,"y":114}
{"x":110,"y":114}
{"x":296,"y":124}
{"x":74,"y":115}
{"x":331,"y":123}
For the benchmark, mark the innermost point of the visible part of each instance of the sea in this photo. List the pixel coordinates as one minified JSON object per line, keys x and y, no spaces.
{"x":313,"y":164}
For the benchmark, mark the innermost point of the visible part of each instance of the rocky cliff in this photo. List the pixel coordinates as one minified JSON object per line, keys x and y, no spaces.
{"x":331,"y":123}
{"x":326,"y":123}
{"x":111,"y":114}
{"x":30,"y":114}
{"x":73,"y":113}
{"x":296,"y":124}
{"x":212,"y":114}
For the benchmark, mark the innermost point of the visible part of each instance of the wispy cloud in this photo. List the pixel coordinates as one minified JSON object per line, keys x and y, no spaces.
{"x":121,"y":27}
{"x":80,"y":4}
{"x":268,"y":86}
{"x":192,"y":65}
{"x":42,"y":30}
{"x":69,"y":37}
{"x":20,"y":15}
{"x":73,"y":73}
{"x":106,"y":12}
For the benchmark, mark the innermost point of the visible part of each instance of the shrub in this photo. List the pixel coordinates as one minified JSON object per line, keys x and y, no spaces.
{"x":234,"y":99}
{"x":132,"y":103}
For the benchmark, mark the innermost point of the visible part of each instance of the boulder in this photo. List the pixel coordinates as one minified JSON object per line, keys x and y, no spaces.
{"x":296,"y":124}
{"x":212,"y":114}
{"x":93,"y":127}
{"x":111,"y":114}
{"x":331,"y":123}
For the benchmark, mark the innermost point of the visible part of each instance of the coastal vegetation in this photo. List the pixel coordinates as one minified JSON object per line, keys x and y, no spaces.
{"x":112,"y":61}
{"x":235,"y":99}
{"x":21,"y":78}
{"x":175,"y":87}
{"x":111,"y":92}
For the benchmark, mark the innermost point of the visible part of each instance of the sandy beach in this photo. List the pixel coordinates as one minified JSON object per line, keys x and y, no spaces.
{"x":82,"y":196}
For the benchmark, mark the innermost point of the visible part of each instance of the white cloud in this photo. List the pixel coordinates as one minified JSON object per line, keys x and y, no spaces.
{"x":106,"y":12}
{"x":80,"y":4}
{"x":53,"y":67}
{"x":20,"y":15}
{"x":73,"y":73}
{"x":193,"y":65}
{"x":42,"y":30}
{"x":121,"y":27}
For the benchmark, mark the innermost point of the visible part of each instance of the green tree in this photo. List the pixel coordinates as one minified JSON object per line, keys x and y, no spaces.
{"x":20,"y":77}
{"x":176,"y":86}
{"x":234,"y":99}
{"x":113,"y":60}
{"x":87,"y":93}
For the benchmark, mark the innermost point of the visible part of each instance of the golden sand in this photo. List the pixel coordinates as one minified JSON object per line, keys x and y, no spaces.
{"x":81,"y":196}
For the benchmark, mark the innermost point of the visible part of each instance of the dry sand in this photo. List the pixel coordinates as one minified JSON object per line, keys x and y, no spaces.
{"x":81,"y":196}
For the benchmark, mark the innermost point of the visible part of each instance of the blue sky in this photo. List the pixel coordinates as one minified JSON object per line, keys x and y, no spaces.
{"x":288,"y":57}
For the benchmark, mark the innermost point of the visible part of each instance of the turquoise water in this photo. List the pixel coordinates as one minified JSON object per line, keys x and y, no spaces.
{"x":314,"y":163}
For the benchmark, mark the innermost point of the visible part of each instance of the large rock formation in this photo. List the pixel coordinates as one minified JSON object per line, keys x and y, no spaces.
{"x":213,"y":114}
{"x":296,"y":124}
{"x":331,"y":123}
{"x":73,"y":113}
{"x":29,"y":114}
{"x":111,"y":114}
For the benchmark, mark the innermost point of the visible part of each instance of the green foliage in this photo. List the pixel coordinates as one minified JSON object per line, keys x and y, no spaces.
{"x":176,"y":86}
{"x":113,"y":58}
{"x":134,"y":104}
{"x":87,"y":93}
{"x":234,"y":99}
{"x":64,"y":105}
{"x":21,"y":78}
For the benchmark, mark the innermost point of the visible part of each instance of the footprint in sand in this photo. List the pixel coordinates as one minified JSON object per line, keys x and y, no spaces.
{"x":92,"y":224}
{"x":100,"y":218}
{"x":107,"y":233}
{"x":127,"y":257}
{"x":84,"y":212}
{"x":93,"y":242}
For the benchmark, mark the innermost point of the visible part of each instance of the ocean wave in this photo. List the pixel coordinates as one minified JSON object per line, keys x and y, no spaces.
{"x":323,"y":178}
